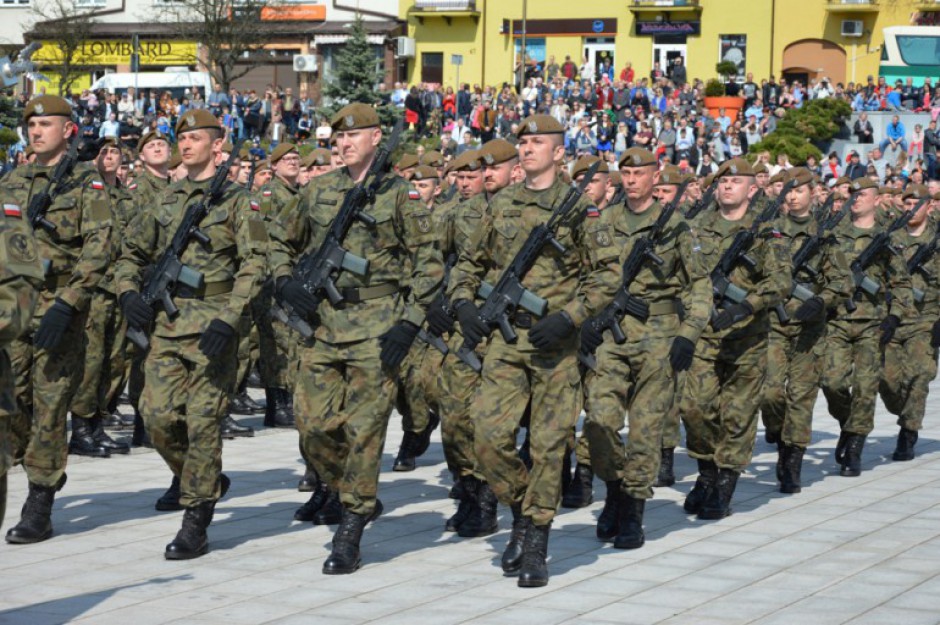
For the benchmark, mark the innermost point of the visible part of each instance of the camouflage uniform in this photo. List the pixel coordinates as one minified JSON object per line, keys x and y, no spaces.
{"x":515,"y":374}
{"x":20,"y":280}
{"x":186,"y":394}
{"x":636,"y":378}
{"x":343,"y":396}
{"x":77,"y":255}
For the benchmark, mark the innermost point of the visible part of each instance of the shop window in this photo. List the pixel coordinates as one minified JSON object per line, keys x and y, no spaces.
{"x":14,"y":3}
{"x":432,"y":67}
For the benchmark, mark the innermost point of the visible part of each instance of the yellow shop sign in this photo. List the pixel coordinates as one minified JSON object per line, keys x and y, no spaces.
{"x":118,"y":52}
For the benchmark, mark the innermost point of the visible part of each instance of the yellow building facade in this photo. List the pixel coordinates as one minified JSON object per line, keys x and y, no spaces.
{"x":479,"y":41}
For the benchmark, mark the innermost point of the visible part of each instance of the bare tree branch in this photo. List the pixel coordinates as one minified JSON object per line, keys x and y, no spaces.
{"x":67,"y":27}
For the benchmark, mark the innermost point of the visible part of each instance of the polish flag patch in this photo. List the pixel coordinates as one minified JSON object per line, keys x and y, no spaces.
{"x":133,"y":186}
{"x":593,"y":212}
{"x":97,"y":185}
{"x":254,"y":205}
{"x":413,"y":195}
{"x":13,"y":210}
{"x":266,"y":193}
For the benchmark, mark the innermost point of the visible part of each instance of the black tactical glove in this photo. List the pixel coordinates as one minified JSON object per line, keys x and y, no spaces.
{"x":439,"y":320}
{"x":591,"y":337}
{"x":731,"y":315}
{"x":888,"y":327}
{"x":396,"y":343}
{"x":293,"y":292}
{"x":53,"y":325}
{"x":216,"y":338}
{"x":812,"y":308}
{"x":680,"y":354}
{"x":552,"y":330}
{"x":138,"y":313}
{"x":935,"y":335}
{"x":471,"y":325}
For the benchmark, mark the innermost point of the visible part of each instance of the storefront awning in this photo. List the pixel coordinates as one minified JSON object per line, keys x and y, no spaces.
{"x":332,"y":39}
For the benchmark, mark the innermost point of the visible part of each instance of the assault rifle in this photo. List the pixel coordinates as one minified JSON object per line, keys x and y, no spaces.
{"x":508,"y":294}
{"x":808,"y":250}
{"x":40,"y":203}
{"x":435,"y":340}
{"x":619,"y":196}
{"x":252,"y":167}
{"x":723,"y":289}
{"x":318,"y":270}
{"x":169,"y":271}
{"x":704,"y":201}
{"x":624,"y":302}
{"x":450,"y":193}
{"x":918,"y":262}
{"x":878,"y":245}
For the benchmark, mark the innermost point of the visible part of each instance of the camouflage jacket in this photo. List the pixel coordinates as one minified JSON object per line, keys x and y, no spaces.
{"x":680,"y":280}
{"x":401,"y":249}
{"x":77,"y":253}
{"x":121,"y":204}
{"x":276,"y":197}
{"x":146,"y":187}
{"x":232,"y":265}
{"x":20,"y":275}
{"x":926,"y":281}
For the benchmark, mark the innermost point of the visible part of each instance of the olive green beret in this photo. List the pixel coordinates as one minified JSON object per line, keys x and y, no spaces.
{"x":761,"y":168}
{"x":801,"y":175}
{"x":468,"y":161}
{"x":708,"y":180}
{"x":540,"y":125}
{"x":354,"y":116}
{"x":281,"y":151}
{"x":636,"y":157}
{"x":175,"y":161}
{"x":109,"y":142}
{"x":916,"y":191}
{"x":319,"y":157}
{"x":227,"y":147}
{"x":197,"y":119}
{"x":432,"y":158}
{"x":262,"y":165}
{"x":407,"y":162}
{"x":860,"y":184}
{"x":425,"y":172}
{"x":151,"y":135}
{"x":780,"y":176}
{"x":843,"y":180}
{"x":584,"y":163}
{"x":735,"y":167}
{"x":615,"y":178}
{"x":497,"y":151}
{"x":47,"y":106}
{"x":28,"y":151}
{"x":670,"y":175}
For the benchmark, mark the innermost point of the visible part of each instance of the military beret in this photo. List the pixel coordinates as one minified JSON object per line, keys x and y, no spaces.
{"x":916,"y":191}
{"x":498,"y":151}
{"x":227,"y":147}
{"x":354,"y":116}
{"x":761,"y":168}
{"x":28,"y":151}
{"x":425,"y":172}
{"x":936,"y":197}
{"x":175,"y":161}
{"x":151,"y":135}
{"x":584,"y":163}
{"x":708,"y":180}
{"x":109,"y":142}
{"x":780,"y":176}
{"x":670,"y":175}
{"x":843,"y":180}
{"x":860,"y":184}
{"x":735,"y":167}
{"x":884,"y":190}
{"x":407,"y":162}
{"x":319,"y":157}
{"x":245,"y":154}
{"x":47,"y":106}
{"x":432,"y":158}
{"x":468,"y":161}
{"x":281,"y":151}
{"x":197,"y":119}
{"x":540,"y":125}
{"x":615,"y":178}
{"x":636,"y":157}
{"x":262,"y":165}
{"x":801,"y":175}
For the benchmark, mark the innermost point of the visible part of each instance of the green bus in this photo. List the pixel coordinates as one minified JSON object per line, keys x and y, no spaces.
{"x":910,"y":51}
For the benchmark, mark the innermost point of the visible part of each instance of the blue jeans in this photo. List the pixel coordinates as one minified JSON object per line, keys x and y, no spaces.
{"x":886,"y":142}
{"x":931,"y":165}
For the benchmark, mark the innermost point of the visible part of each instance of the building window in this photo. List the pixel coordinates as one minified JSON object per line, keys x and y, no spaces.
{"x":14,"y":3}
{"x":432,"y":67}
{"x":734,"y":48}
{"x":90,"y":4}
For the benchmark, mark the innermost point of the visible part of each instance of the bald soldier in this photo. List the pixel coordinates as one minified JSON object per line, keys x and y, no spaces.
{"x":47,"y":358}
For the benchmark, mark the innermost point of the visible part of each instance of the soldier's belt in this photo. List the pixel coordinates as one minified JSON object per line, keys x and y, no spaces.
{"x":354,"y":296}
{"x":54,"y":283}
{"x":668,"y":307}
{"x":210,"y":289}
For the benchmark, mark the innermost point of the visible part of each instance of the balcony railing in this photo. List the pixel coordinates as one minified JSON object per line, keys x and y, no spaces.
{"x":446,"y":5}
{"x":665,"y":4}
{"x":849,"y":4}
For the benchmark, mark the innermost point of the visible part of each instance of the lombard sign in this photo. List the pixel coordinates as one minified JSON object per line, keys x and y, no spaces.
{"x":668,"y":28}
{"x":118,"y":52}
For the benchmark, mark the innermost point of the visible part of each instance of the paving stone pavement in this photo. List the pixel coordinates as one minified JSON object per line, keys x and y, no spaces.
{"x":860,"y":550}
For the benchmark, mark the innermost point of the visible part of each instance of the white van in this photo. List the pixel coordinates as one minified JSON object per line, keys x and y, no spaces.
{"x":176,"y":82}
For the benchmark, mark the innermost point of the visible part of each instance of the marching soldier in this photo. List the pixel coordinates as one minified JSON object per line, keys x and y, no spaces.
{"x":47,"y":359}
{"x":191,"y":365}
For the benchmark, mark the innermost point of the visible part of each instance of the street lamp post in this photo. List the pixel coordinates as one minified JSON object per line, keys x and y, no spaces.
{"x":525,"y":11}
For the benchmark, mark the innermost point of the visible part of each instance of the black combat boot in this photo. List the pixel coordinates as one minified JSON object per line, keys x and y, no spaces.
{"x":792,"y":468}
{"x":840,"y":446}
{"x":345,"y":558}
{"x":707,"y":476}
{"x":424,"y":439}
{"x":140,"y":438}
{"x":512,"y":555}
{"x":36,"y":517}
{"x":667,"y":474}
{"x":772,"y":438}
{"x":630,"y":531}
{"x":905,"y":447}
{"x":534,"y":569}
{"x":781,"y":458}
{"x":191,"y":541}
{"x":718,"y":504}
{"x":468,"y":488}
{"x":278,"y":412}
{"x":309,"y":481}
{"x":243,"y":404}
{"x":170,"y":500}
{"x":231,"y":428}
{"x":308,"y":511}
{"x":407,"y":452}
{"x":82,"y":442}
{"x":331,"y":512}
{"x":852,"y":462}
{"x":482,"y":520}
{"x":609,"y":518}
{"x":580,"y":492}
{"x":103,"y":440}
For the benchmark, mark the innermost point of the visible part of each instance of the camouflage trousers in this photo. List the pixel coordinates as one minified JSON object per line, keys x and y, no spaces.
{"x":794,"y":363}
{"x":636,"y":382}
{"x":277,"y":342}
{"x":421,"y":386}
{"x":247,"y":353}
{"x":7,"y":408}
{"x":105,"y":367}
{"x":672,"y":434}
{"x":514,"y":375}
{"x":910,"y":364}
{"x":45,"y":384}
{"x":459,"y":384}
{"x":343,"y":399}
{"x":851,"y":373}
{"x":720,"y":399}
{"x":183,"y":403}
